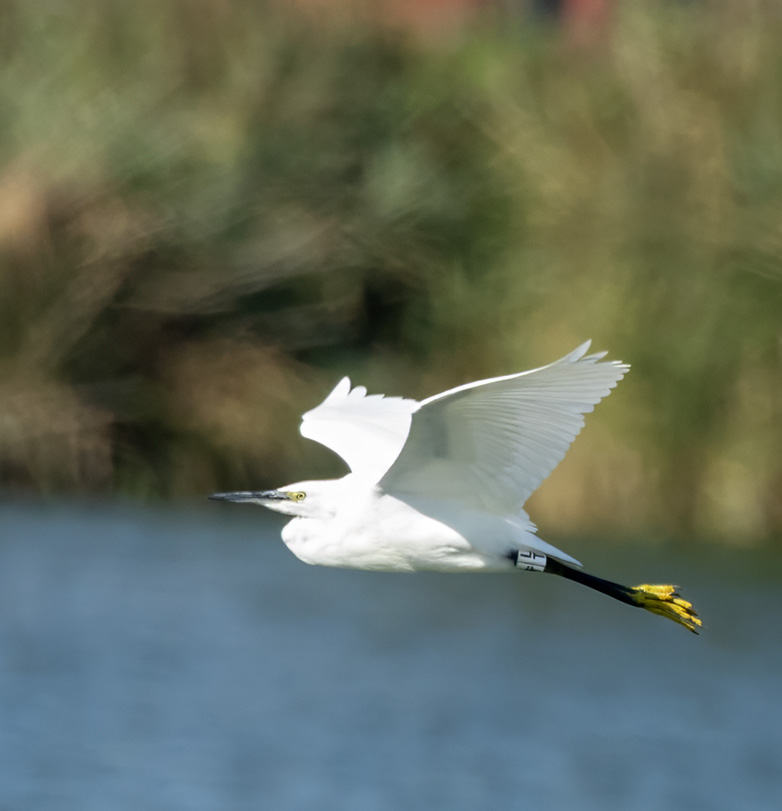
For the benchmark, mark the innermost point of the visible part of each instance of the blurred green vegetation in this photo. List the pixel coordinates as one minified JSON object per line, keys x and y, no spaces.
{"x":210,"y":211}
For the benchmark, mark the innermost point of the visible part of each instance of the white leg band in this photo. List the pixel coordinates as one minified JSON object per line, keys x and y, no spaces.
{"x":530,"y":561}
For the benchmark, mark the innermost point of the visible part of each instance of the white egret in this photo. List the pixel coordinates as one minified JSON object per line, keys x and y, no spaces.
{"x":441,"y":484}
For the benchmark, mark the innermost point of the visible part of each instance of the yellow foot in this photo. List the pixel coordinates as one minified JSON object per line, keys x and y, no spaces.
{"x":665,"y":601}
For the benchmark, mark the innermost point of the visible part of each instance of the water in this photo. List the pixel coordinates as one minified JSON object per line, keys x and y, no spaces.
{"x":172,"y":660}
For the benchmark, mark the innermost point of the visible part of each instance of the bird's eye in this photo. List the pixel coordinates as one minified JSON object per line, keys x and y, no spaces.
{"x":298,"y":496}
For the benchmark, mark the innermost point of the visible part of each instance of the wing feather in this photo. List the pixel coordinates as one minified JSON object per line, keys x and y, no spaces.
{"x":367,"y":431}
{"x":489,"y":444}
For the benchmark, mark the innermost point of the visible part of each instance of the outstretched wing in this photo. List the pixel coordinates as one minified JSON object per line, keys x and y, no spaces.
{"x":488,"y":445}
{"x":367,"y":431}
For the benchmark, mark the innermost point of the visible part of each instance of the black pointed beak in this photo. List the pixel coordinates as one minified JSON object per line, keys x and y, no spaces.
{"x":251,"y":495}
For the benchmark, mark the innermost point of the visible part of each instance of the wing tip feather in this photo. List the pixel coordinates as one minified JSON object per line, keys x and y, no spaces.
{"x":579,"y":352}
{"x":578,"y":355}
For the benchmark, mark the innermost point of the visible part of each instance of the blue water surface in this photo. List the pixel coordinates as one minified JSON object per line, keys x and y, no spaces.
{"x":184,"y":659}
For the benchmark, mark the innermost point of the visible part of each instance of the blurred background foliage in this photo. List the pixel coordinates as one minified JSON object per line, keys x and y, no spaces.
{"x":212,"y":210}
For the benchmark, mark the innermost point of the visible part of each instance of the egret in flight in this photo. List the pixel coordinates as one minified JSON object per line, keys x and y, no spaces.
{"x":441,"y":484}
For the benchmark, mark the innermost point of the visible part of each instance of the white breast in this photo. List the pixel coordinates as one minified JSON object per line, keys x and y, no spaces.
{"x":383,"y":533}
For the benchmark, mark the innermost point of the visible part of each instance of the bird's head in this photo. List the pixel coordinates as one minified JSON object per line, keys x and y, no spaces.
{"x":303,"y":499}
